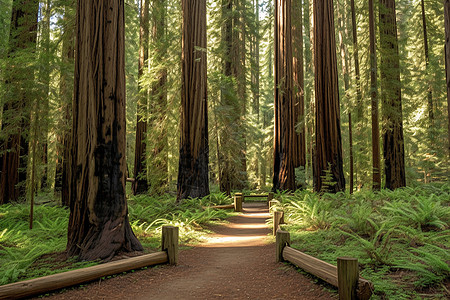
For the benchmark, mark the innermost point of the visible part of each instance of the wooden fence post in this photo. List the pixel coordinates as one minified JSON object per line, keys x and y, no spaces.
{"x":170,"y":243}
{"x":238,"y":199}
{"x":269,"y":197}
{"x":278,"y":218}
{"x":283,"y":239}
{"x":272,"y":203}
{"x":348,"y":275}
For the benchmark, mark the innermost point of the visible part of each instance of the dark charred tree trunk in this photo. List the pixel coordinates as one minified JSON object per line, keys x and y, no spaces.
{"x":447,"y":61}
{"x":328,"y":152}
{"x":159,"y":100}
{"x":194,"y":149}
{"x":393,"y":143}
{"x":65,"y":109}
{"x":427,"y":62}
{"x":298,"y":94}
{"x":98,"y":222}
{"x":140,"y":185}
{"x":284,"y":138}
{"x":376,"y":173}
{"x":16,"y":111}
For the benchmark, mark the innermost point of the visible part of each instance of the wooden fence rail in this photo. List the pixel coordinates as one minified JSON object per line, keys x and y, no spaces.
{"x":27,"y":288}
{"x":345,"y":276}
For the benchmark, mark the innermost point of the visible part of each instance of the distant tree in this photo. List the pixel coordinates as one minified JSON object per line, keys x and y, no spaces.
{"x":284,"y":132}
{"x":328,"y":151}
{"x":393,"y":142}
{"x":376,"y":173}
{"x":447,"y":61}
{"x":98,"y":223}
{"x":19,"y":90}
{"x":194,"y":149}
{"x":299,"y":85}
{"x":140,"y":170}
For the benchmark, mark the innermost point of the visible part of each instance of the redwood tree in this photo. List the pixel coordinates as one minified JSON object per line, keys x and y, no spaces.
{"x":284,"y":133}
{"x":194,"y":150}
{"x":98,"y":224}
{"x":16,"y":111}
{"x":328,"y":152}
{"x":298,"y":93}
{"x":447,"y":61}
{"x":139,"y":185}
{"x":376,"y":173}
{"x":391,"y":98}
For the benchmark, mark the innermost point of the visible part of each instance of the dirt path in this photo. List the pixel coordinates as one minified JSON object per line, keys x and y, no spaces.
{"x":238,"y":262}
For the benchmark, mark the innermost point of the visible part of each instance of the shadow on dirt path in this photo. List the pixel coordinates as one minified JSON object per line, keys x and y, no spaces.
{"x":237,"y":262}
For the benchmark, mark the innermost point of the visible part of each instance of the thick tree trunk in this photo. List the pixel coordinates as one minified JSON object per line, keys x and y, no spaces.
{"x":16,"y":112}
{"x":328,"y":153}
{"x":374,"y":102}
{"x":159,"y":175}
{"x":284,"y":106}
{"x":299,"y":85}
{"x":393,"y":143}
{"x":447,"y":61}
{"x":194,"y":150}
{"x":98,"y":223}
{"x":139,"y":185}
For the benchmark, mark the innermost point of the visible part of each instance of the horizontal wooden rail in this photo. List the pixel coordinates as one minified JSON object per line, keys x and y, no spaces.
{"x":256,"y":196}
{"x":45,"y":284}
{"x":319,"y":268}
{"x":58,"y":281}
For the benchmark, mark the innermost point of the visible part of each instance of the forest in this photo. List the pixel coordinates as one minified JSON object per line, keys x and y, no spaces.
{"x":119,"y":117}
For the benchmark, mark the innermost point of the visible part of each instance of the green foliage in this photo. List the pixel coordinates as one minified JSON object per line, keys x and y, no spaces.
{"x":399,"y":237}
{"x":26,"y":253}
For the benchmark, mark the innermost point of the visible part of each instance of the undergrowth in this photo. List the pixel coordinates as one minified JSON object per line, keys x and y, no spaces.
{"x":26,"y":254}
{"x":401,"y":237}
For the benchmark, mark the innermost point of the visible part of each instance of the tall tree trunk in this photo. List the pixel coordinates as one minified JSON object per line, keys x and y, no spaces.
{"x":45,"y":77}
{"x":284,"y":106}
{"x":427,"y":62}
{"x":16,"y":112}
{"x":299,"y":85}
{"x":238,"y":70}
{"x":447,"y":61}
{"x":227,"y":172}
{"x":140,"y":154}
{"x":159,"y":99}
{"x":65,"y":109}
{"x":393,"y":143}
{"x":328,"y":153}
{"x":255,"y":81}
{"x":98,"y":224}
{"x":376,"y":173}
{"x":194,"y":149}
{"x":359,"y":103}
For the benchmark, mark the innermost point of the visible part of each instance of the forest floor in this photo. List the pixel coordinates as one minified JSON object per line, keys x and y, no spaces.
{"x":237,"y":262}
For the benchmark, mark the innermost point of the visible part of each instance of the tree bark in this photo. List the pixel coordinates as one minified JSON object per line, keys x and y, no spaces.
{"x":328,"y":153}
{"x":159,"y":100}
{"x":376,"y":173}
{"x":194,"y":149}
{"x":98,"y":223}
{"x":393,"y":143}
{"x":65,"y":109}
{"x":284,"y":106}
{"x":427,"y":62}
{"x":139,"y":185}
{"x":16,"y":112}
{"x":447,"y":62}
{"x":299,"y":85}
